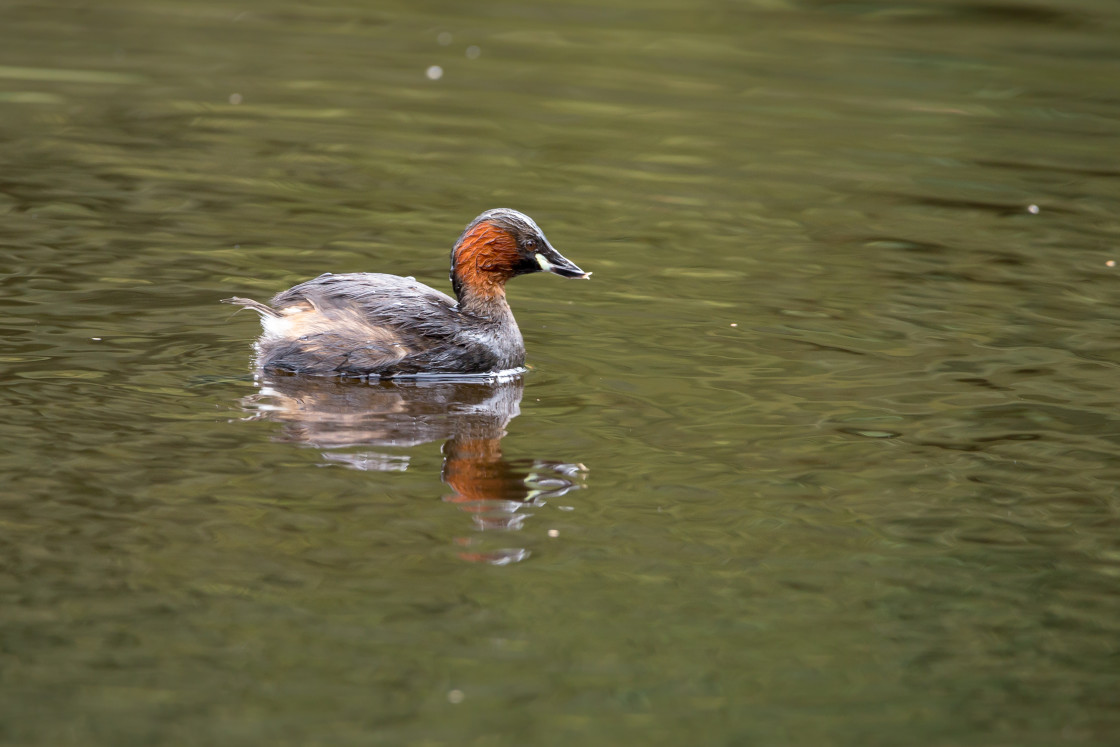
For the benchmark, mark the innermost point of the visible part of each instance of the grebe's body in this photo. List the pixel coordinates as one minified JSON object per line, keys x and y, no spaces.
{"x":371,"y":324}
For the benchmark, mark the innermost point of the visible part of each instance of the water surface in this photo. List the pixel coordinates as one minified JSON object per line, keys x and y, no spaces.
{"x":826,"y":452}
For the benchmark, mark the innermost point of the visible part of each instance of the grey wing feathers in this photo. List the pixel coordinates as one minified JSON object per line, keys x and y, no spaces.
{"x":357,"y":324}
{"x":371,"y":291}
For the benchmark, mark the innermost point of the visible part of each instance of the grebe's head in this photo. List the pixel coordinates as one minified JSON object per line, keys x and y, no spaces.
{"x":501,"y":244}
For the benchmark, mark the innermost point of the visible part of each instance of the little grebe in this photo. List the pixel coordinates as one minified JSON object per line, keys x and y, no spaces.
{"x":371,"y":324}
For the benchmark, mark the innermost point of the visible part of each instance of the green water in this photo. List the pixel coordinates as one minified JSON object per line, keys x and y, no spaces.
{"x":826,"y":453}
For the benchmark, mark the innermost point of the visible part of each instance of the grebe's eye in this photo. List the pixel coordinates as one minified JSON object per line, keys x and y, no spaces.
{"x":530,"y":243}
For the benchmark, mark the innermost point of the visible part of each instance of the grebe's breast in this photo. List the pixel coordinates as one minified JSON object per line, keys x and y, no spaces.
{"x":372,"y":323}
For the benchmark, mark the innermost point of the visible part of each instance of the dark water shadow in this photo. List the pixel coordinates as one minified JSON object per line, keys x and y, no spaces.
{"x":346,"y":418}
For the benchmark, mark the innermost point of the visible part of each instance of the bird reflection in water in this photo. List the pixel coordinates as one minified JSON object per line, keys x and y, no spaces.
{"x":470,"y":416}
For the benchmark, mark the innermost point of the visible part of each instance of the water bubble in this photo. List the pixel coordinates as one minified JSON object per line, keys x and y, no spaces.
{"x":553,"y":532}
{"x":473,"y":52}
{"x":444,"y":38}
{"x":1032,"y":209}
{"x":235,"y":98}
{"x":435,"y":72}
{"x":455,"y":696}
{"x":1110,"y":263}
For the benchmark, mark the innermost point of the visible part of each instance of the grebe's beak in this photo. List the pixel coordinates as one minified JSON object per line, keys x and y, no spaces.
{"x":553,"y":261}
